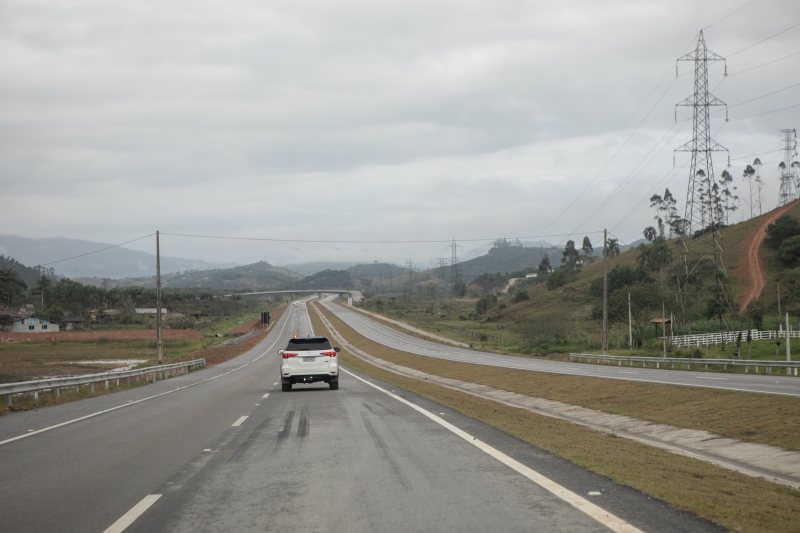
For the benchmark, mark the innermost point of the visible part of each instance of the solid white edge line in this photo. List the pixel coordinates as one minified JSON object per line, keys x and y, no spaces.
{"x":240,"y":421}
{"x":128,"y":518}
{"x":276,"y":340}
{"x":568,"y":373}
{"x":597,"y":513}
{"x":12,"y":439}
{"x":56,"y":426}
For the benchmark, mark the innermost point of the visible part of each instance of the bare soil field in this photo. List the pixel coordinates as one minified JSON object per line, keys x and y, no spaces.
{"x":99,"y":334}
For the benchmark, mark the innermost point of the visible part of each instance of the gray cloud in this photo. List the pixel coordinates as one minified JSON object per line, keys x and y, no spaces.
{"x":360,"y":120}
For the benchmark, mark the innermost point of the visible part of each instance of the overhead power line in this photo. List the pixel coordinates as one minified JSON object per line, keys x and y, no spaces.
{"x":324,"y":241}
{"x":764,"y":40}
{"x":765,"y":113}
{"x":98,"y":251}
{"x":731,"y":14}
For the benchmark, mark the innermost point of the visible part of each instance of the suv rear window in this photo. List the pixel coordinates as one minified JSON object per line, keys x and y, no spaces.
{"x":313,"y":343}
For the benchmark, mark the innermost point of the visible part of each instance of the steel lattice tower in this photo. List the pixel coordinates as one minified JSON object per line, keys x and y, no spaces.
{"x":703,"y":215}
{"x":454,"y":246}
{"x":789,"y":183}
{"x":701,"y":208}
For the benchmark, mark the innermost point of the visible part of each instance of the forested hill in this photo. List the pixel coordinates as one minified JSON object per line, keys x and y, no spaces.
{"x":376,"y":270}
{"x":506,"y":257}
{"x":261,"y":275}
{"x":28,"y":274}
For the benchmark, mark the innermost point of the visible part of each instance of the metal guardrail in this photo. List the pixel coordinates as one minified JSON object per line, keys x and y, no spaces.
{"x":658,"y":361}
{"x":56,"y":384}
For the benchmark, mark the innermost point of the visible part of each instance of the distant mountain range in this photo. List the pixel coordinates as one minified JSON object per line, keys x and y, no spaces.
{"x":115,"y":263}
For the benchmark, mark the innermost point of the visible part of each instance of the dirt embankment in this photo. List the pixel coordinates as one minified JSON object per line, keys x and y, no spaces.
{"x":751,"y":265}
{"x":100,"y":334}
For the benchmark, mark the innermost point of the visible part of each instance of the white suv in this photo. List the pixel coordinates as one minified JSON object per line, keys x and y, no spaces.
{"x":308,"y":360}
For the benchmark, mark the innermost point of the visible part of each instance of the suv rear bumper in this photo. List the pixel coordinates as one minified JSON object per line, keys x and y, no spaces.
{"x":310,"y":378}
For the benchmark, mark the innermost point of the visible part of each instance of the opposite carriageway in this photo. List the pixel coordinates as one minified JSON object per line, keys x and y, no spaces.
{"x":377,"y":332}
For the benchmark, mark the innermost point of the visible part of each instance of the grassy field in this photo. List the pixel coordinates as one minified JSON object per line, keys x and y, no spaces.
{"x":730,"y":499}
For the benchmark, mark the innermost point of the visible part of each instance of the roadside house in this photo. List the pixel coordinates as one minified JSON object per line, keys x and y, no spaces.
{"x":33,"y":324}
{"x":74,"y":322}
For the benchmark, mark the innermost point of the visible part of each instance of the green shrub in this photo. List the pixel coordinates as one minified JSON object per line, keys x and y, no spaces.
{"x":557,"y":279}
{"x":520,"y":296}
{"x":789,"y":250}
{"x":784,"y":228}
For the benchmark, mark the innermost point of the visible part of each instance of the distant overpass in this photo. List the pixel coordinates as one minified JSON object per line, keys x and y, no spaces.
{"x":356,"y":295}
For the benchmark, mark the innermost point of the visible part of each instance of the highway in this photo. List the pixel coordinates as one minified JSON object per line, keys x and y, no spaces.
{"x":380,"y":333}
{"x":224,"y":449}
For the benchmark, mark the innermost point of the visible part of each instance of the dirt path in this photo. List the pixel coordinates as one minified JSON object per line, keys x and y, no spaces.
{"x":751,"y":266}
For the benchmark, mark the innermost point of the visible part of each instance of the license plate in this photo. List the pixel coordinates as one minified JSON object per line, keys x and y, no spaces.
{"x":309,"y":359}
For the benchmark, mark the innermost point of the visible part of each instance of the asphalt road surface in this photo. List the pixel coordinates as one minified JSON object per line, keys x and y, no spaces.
{"x":224,"y":449}
{"x":380,"y":333}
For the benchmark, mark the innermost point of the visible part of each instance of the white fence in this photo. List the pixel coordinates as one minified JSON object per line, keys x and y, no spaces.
{"x":706,"y":339}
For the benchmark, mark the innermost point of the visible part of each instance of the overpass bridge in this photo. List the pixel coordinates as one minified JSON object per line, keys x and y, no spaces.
{"x":356,"y":295}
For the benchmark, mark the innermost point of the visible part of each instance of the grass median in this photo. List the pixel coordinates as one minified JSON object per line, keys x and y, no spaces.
{"x":761,"y":418}
{"x":728,"y":498}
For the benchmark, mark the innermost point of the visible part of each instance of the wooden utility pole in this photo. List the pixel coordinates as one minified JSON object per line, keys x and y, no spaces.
{"x":788,"y":350}
{"x":605,"y":293}
{"x":664,"y":326}
{"x":630,"y":327}
{"x":158,"y":302}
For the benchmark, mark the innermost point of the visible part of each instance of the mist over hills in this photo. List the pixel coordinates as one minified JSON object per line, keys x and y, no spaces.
{"x":115,"y":263}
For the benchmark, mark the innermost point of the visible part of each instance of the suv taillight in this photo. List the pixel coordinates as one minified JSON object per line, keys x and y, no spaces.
{"x":328,"y":354}
{"x":286,"y":355}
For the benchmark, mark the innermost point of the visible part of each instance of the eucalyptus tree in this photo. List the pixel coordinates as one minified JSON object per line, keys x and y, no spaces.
{"x":729,"y":196}
{"x":650,"y":233}
{"x":757,"y":164}
{"x":748,"y":174}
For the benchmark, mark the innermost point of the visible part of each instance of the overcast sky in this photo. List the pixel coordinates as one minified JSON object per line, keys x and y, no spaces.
{"x":358,"y":120}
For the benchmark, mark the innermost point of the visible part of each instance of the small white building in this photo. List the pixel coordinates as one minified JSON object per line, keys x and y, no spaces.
{"x":33,"y":325}
{"x":149,"y":310}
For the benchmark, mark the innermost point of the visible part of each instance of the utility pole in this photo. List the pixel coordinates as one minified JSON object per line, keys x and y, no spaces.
{"x":788,"y":350}
{"x":605,"y":293}
{"x":778,"y":287}
{"x":630,"y":327}
{"x":664,"y":327}
{"x":158,"y":302}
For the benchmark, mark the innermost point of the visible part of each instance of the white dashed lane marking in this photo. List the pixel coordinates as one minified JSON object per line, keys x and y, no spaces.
{"x":129,"y":517}
{"x":239,"y":422}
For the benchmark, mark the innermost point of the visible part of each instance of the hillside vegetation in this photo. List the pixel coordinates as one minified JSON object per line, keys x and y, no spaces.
{"x":561,"y":311}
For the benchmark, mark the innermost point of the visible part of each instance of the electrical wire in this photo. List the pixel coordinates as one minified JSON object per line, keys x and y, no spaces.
{"x":97,"y":251}
{"x":731,"y":14}
{"x":320,"y":241}
{"x":762,"y":65}
{"x":764,"y":40}
{"x":765,"y":113}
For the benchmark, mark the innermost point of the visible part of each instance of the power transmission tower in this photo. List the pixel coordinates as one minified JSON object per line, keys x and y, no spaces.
{"x":701,"y":238}
{"x":454,"y":246}
{"x":443,"y":275}
{"x":702,"y":207}
{"x":410,"y":267}
{"x":789,"y":185}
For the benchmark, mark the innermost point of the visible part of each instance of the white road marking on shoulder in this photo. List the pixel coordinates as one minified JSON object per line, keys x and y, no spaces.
{"x":582,"y":504}
{"x":276,"y":340}
{"x":129,"y":517}
{"x":12,"y":439}
{"x":239,"y":422}
{"x":703,"y":377}
{"x":207,"y":450}
{"x":266,"y":395}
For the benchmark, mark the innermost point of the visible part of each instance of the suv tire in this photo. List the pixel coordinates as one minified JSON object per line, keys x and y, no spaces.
{"x":286,"y":387}
{"x":334,"y":385}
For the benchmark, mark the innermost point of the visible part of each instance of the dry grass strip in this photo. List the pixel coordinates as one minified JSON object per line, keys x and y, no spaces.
{"x":733,"y":500}
{"x":760,"y":418}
